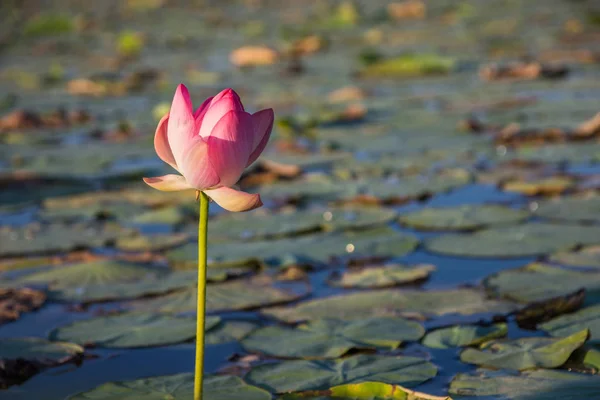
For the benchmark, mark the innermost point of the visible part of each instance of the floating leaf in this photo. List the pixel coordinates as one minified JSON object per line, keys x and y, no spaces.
{"x":541,"y":384}
{"x":175,"y":387}
{"x":332,"y":338}
{"x":574,"y":209}
{"x":587,"y":257}
{"x":314,"y":249}
{"x":464,"y":335}
{"x":365,"y":391}
{"x":525,"y":353}
{"x":384,"y":276}
{"x":257,"y":225}
{"x":537,"y":282}
{"x":391,"y":302}
{"x":92,"y":273}
{"x":235,"y":295}
{"x":515,"y":241}
{"x":410,"y":65}
{"x":21,"y":358}
{"x":56,"y":238}
{"x":131,"y":330}
{"x":151,"y":242}
{"x":290,"y":376}
{"x":466,"y":217}
{"x":565,"y":325}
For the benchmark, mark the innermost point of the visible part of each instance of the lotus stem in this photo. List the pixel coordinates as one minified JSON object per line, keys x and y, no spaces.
{"x":201,"y":309}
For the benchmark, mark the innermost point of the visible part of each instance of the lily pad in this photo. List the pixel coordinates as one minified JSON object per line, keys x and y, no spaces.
{"x":314,"y":249}
{"x":290,"y":376}
{"x":55,"y":238}
{"x":408,"y":188}
{"x":131,"y":330}
{"x":151,"y":284}
{"x":98,"y":211}
{"x":383,"y":276}
{"x":587,"y":257}
{"x":537,"y":282}
{"x":175,"y":387}
{"x":541,"y":384}
{"x":392,"y":302}
{"x":410,"y":65}
{"x":464,"y":335}
{"x":93,"y":273}
{"x":38,"y":350}
{"x":235,"y":295}
{"x":167,"y":215}
{"x":565,"y":325}
{"x":525,"y":353}
{"x":515,"y":241}
{"x":151,"y":242}
{"x":24,"y":357}
{"x":574,"y":209}
{"x":468,"y":217}
{"x":257,"y":225}
{"x":330,"y":338}
{"x":365,"y":391}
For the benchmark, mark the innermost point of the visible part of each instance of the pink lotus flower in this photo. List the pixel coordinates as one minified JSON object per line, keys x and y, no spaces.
{"x":211,"y":147}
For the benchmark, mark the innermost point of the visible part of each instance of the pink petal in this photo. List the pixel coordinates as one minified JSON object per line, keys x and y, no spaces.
{"x":230,"y":145}
{"x":180,"y":127}
{"x":168,"y":183}
{"x":200,"y":111}
{"x":234,"y":200}
{"x":161,"y":142}
{"x":263,"y":125}
{"x":196,"y":166}
{"x":220,"y":105}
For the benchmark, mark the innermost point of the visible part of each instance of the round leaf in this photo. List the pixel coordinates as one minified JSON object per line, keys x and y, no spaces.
{"x":525,"y":353}
{"x":384,"y":276}
{"x":175,"y":387}
{"x":466,"y":217}
{"x":289,"y":376}
{"x":332,"y":338}
{"x":463,"y":335}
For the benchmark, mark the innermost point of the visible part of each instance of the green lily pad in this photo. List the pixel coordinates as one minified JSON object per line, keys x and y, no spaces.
{"x":38,"y":350}
{"x":131,"y":330}
{"x":384,"y":276}
{"x":541,"y":384}
{"x":565,"y":325}
{"x":100,"y":210}
{"x":175,"y":387}
{"x":537,"y":282}
{"x":409,"y":188}
{"x":167,"y":215}
{"x":151,"y":284}
{"x":525,"y":353}
{"x":93,"y":273}
{"x":229,"y":331}
{"x":574,"y":209}
{"x":410,"y":65}
{"x":258,"y":224}
{"x":156,"y":242}
{"x":55,"y":238}
{"x":364,"y":391}
{"x":464,"y":335}
{"x":314,"y":249}
{"x":311,"y":187}
{"x":587,"y":257}
{"x":466,"y":217}
{"x":330,"y":338}
{"x":290,"y":376}
{"x":392,"y":302}
{"x":515,"y":241}
{"x":234,"y":295}
{"x":556,"y":153}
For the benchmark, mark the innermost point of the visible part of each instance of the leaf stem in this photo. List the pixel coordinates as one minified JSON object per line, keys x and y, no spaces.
{"x":201,"y":309}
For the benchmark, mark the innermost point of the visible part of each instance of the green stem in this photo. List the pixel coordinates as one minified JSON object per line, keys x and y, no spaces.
{"x":201,"y":309}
